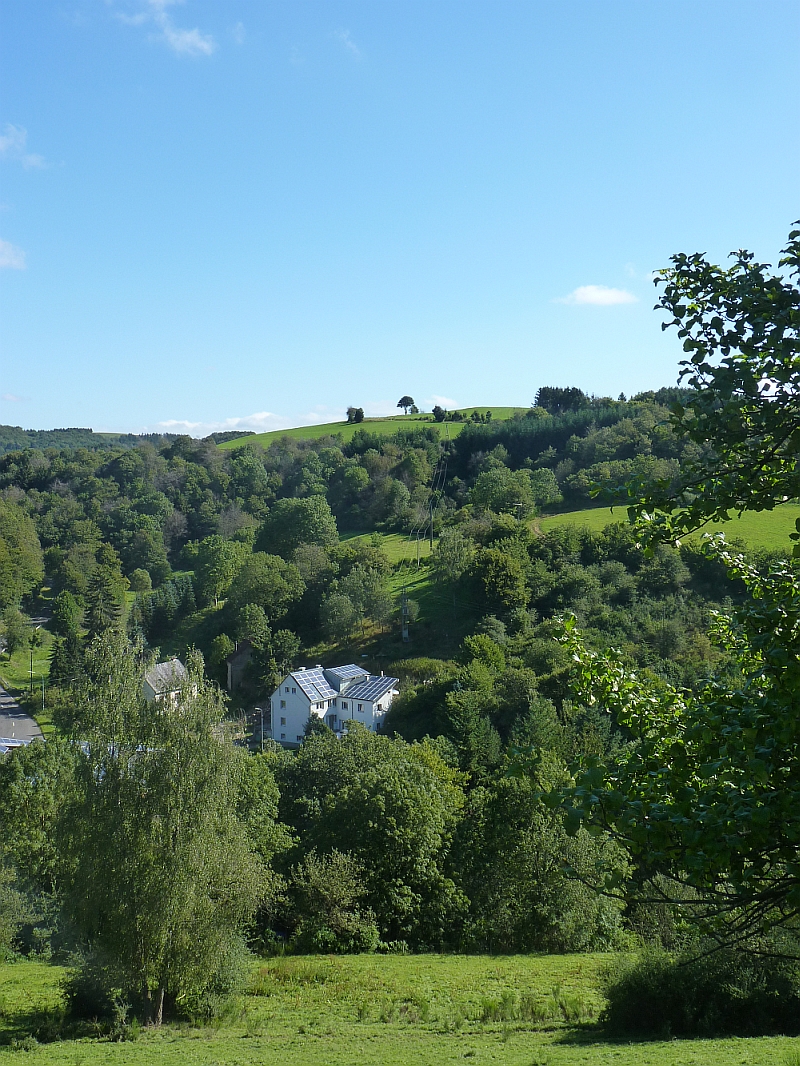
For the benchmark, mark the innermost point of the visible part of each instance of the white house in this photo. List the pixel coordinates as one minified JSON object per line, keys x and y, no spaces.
{"x":163,"y":682}
{"x":338,"y":696}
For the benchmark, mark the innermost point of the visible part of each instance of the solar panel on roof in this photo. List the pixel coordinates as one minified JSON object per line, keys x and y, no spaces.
{"x":313,"y":683}
{"x":351,"y":670}
{"x":372,"y":688}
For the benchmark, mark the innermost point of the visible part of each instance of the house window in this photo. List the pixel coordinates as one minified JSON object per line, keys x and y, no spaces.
{"x":283,"y":721}
{"x":283,"y":736}
{"x":344,"y":705}
{"x":361,"y":708}
{"x":299,"y":740}
{"x":283,"y":704}
{"x":294,"y":691}
{"x":287,"y":688}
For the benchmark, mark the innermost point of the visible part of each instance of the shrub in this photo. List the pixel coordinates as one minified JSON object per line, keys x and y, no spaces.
{"x":141,"y":581}
{"x":90,"y":991}
{"x":727,"y":992}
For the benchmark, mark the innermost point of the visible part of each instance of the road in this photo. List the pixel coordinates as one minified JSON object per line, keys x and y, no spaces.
{"x":15,"y":724}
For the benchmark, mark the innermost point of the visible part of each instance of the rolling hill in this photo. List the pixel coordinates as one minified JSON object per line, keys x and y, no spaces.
{"x":385,"y":426}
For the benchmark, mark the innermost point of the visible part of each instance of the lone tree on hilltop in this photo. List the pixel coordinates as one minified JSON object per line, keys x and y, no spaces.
{"x":405,"y":402}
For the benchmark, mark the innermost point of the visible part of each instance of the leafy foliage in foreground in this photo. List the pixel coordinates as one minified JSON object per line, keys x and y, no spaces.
{"x":741,"y":329}
{"x":709,"y":791}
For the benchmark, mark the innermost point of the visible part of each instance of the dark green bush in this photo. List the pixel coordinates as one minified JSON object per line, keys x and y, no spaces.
{"x":90,"y":992}
{"x":727,"y":992}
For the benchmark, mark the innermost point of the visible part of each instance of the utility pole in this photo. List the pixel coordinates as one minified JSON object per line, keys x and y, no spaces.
{"x":417,"y":550}
{"x":404,"y":615}
{"x":431,"y":523}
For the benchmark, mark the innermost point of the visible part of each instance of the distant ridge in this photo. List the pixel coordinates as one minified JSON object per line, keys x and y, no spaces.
{"x":15,"y":438}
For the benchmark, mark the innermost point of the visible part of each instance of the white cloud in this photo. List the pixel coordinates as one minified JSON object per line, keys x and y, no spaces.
{"x":181,"y":41}
{"x":11,"y":257}
{"x":445,"y":401}
{"x":9,"y":397}
{"x":343,"y":36}
{"x":13,"y":145}
{"x":261,"y":422}
{"x":238,"y":33}
{"x":598,"y":295}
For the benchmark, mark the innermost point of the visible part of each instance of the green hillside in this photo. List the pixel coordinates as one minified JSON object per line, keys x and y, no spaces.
{"x":387,"y":426}
{"x":757,"y":529}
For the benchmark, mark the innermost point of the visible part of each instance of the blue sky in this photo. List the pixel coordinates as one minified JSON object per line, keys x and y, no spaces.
{"x":245,"y":214}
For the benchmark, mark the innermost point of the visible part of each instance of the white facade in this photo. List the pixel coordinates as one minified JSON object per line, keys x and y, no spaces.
{"x":337,"y":696}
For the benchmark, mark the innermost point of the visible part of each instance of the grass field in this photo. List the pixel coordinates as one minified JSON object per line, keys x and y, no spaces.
{"x":385,"y":426}
{"x":15,"y":675}
{"x":763,"y":529}
{"x":425,"y":1010}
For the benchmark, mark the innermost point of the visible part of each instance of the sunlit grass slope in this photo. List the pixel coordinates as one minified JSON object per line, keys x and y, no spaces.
{"x":429,"y":1010}
{"x":384,"y":426}
{"x":757,"y":529}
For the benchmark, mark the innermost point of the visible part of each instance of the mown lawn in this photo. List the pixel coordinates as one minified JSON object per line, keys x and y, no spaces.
{"x":384,"y":426}
{"x":387,"y":1011}
{"x":756,"y":529}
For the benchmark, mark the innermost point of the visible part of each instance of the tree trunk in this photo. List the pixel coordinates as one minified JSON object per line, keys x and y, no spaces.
{"x":159,"y":1007}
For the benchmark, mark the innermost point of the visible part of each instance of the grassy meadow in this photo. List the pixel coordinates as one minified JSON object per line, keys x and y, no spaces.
{"x":426,"y":1010}
{"x":385,"y":426}
{"x":756,"y":529}
{"x":15,"y":676}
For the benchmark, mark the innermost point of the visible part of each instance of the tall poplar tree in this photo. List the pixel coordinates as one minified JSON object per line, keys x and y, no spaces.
{"x":160,"y":876}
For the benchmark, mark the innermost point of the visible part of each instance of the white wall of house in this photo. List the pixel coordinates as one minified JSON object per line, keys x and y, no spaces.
{"x":369,"y":714}
{"x":290,"y":712}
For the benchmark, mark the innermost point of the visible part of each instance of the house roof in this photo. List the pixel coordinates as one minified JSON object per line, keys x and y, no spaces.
{"x":166,"y":677}
{"x":313,"y":684}
{"x":372,"y":688}
{"x":341,"y":675}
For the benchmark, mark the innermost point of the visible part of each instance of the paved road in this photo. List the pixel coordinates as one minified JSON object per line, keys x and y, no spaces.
{"x":15,"y":724}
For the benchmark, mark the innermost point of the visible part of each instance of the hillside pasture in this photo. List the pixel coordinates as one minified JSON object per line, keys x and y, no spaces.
{"x":384,"y":426}
{"x":430,"y":1010}
{"x":756,"y":529}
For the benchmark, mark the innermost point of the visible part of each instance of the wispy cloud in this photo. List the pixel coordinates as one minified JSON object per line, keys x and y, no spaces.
{"x":14,"y":145}
{"x":182,"y":42}
{"x":238,"y":33}
{"x":11,"y":257}
{"x":445,"y":401}
{"x":261,"y":422}
{"x":598,"y":295}
{"x":9,"y":397}
{"x":344,"y":38}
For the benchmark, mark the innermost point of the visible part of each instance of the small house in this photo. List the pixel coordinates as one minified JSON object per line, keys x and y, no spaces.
{"x":164,"y":681}
{"x":237,"y":663}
